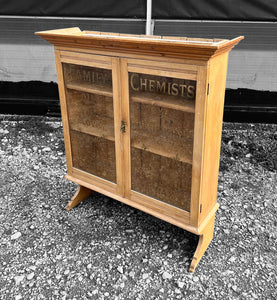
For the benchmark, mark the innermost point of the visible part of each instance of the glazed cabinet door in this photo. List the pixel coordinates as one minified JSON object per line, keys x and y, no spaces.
{"x":90,"y":85}
{"x":161,"y":103}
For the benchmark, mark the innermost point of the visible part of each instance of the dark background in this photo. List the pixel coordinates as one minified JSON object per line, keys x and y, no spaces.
{"x":241,"y":10}
{"x":36,"y":97}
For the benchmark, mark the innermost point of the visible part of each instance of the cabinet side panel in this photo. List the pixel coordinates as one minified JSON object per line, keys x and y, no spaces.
{"x":64,"y":112}
{"x":198,"y":144}
{"x":213,"y":129}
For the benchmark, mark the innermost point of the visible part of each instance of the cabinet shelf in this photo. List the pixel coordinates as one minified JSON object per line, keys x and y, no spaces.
{"x":101,"y":127}
{"x":178,"y":148}
{"x":165,"y":101}
{"x":87,"y":87}
{"x":161,"y":144}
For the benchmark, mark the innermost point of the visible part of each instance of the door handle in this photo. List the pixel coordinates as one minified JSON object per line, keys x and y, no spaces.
{"x":123,"y":126}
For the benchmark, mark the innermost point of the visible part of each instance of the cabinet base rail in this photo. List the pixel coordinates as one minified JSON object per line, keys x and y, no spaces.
{"x":204,"y":231}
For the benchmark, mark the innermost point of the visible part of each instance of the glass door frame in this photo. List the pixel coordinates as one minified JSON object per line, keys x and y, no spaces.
{"x":157,"y":68}
{"x":102,"y":62}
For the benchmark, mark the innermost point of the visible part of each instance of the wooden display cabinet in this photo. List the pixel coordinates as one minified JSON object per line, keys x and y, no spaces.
{"x":142,"y":119}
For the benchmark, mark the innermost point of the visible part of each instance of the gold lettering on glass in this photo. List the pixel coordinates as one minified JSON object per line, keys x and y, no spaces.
{"x":182,"y":88}
{"x":87,"y":74}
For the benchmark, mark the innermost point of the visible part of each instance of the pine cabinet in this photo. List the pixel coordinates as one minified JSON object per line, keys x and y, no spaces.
{"x":142,"y":118}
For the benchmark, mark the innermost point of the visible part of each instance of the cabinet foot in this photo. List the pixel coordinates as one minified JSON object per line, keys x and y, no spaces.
{"x":203,"y":243}
{"x":81,"y":194}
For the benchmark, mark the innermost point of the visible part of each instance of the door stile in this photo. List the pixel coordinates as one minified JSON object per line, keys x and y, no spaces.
{"x":125,"y":128}
{"x":117,"y":121}
{"x":64,"y":112}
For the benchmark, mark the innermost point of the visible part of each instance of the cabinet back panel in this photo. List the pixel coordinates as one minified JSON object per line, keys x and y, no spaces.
{"x":161,"y":178}
{"x":85,"y":108}
{"x":94,"y":155}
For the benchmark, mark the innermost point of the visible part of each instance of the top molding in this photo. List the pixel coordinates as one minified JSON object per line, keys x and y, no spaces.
{"x":181,"y":47}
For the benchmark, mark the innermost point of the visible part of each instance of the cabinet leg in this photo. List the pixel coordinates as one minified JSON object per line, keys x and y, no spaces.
{"x":203,"y":243}
{"x":81,"y":194}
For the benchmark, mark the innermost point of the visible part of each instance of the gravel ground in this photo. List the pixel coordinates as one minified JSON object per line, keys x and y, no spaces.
{"x":103,"y":249}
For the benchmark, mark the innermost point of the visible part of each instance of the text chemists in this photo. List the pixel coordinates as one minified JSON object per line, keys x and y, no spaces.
{"x":180,"y":88}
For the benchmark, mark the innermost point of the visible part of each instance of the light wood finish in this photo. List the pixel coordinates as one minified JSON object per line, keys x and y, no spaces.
{"x":139,"y":56}
{"x":117,"y":123}
{"x":170,"y":65}
{"x":125,"y":111}
{"x":176,"y":213}
{"x":64,"y":112}
{"x":213,"y":128}
{"x":142,"y":203}
{"x":81,"y":194}
{"x":95,"y":180}
{"x":169,"y":72}
{"x":161,"y":144}
{"x":204,"y":240}
{"x":151,"y":206}
{"x":95,"y":61}
{"x":106,"y":131}
{"x":198,"y":143}
{"x":154,"y":142}
{"x":164,"y":101}
{"x":193,"y":49}
{"x":85,"y":87}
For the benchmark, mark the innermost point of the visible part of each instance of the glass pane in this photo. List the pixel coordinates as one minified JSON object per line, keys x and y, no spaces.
{"x":91,"y":119}
{"x":162,"y":124}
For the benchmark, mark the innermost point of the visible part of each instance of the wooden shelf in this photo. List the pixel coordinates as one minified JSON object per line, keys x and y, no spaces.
{"x":90,"y":88}
{"x":101,"y":127}
{"x":165,"y":101}
{"x":163,"y":144}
